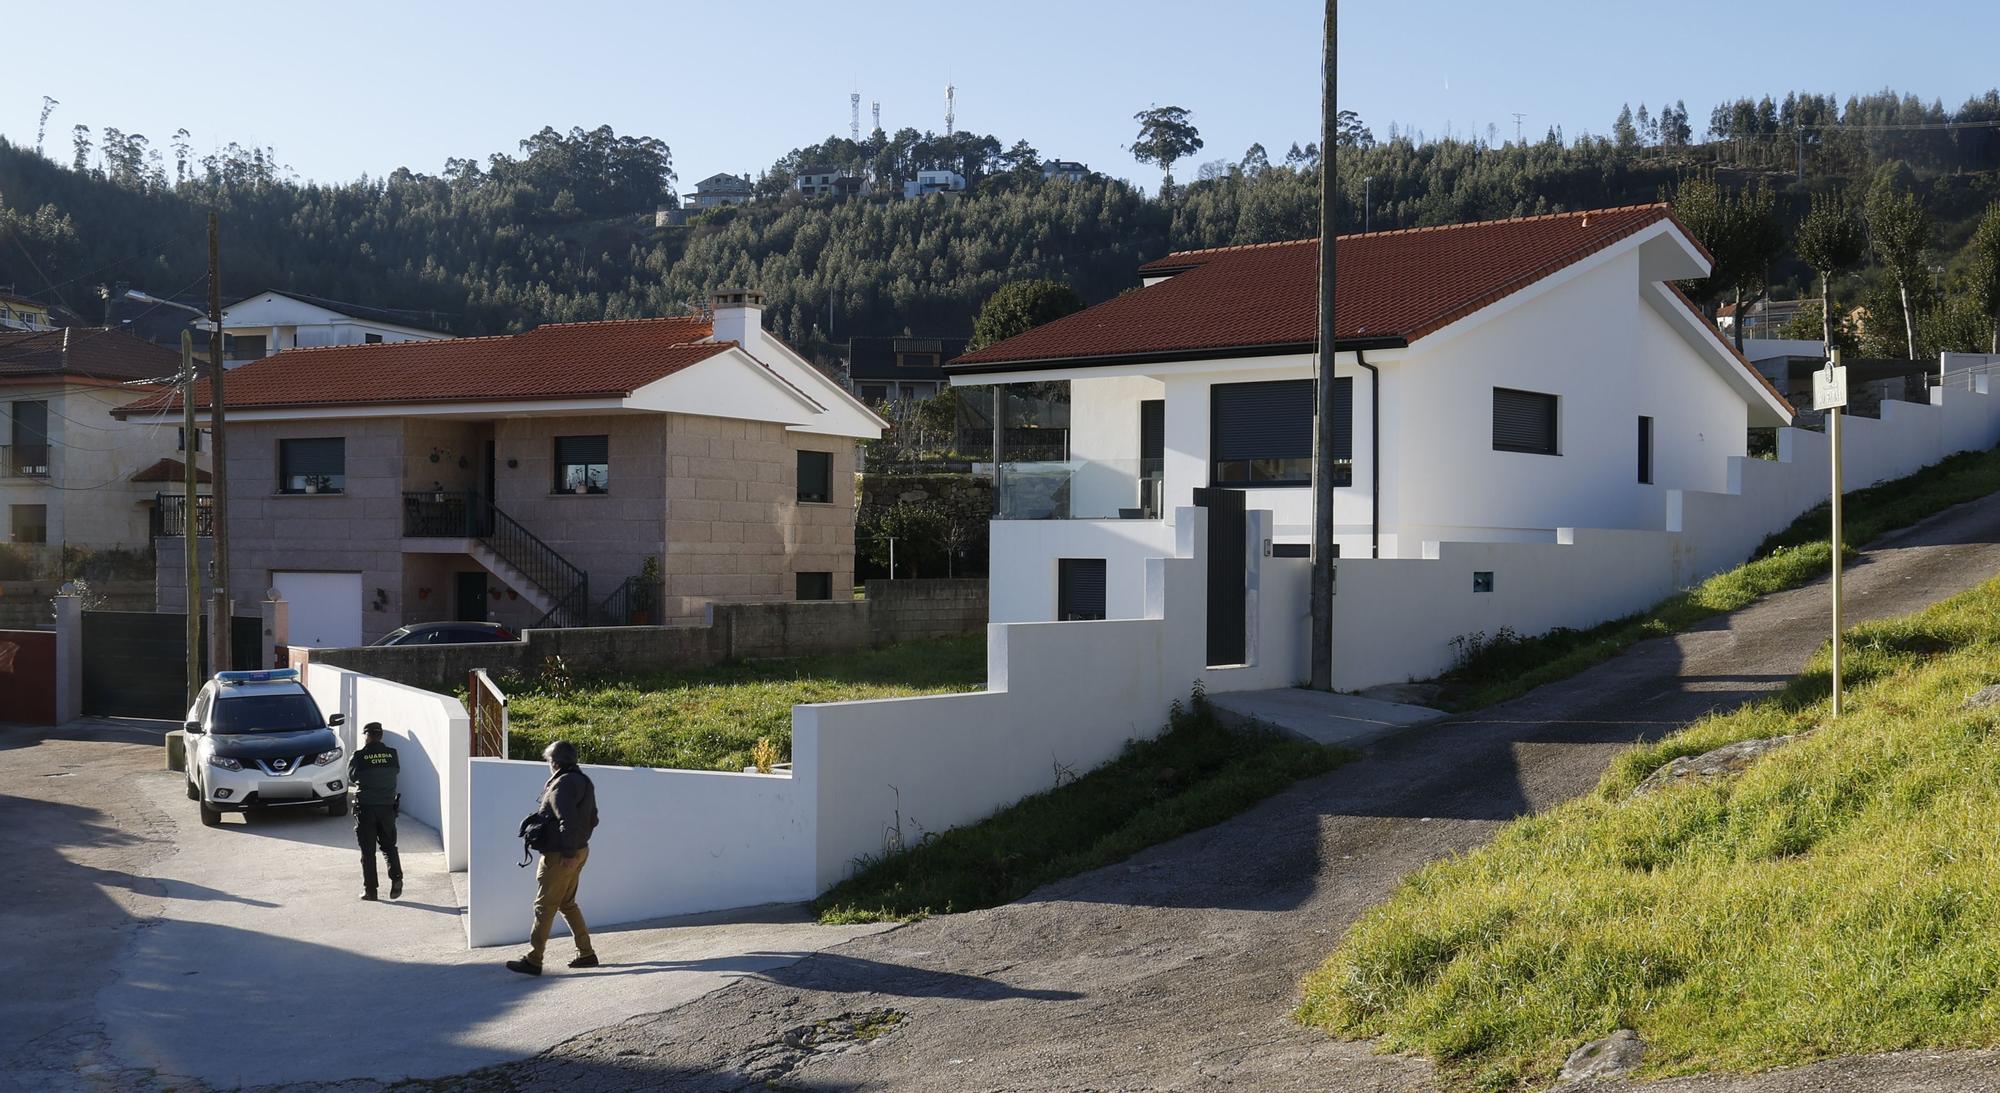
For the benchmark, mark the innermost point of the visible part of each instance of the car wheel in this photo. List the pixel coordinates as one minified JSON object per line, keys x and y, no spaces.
{"x":337,"y":806}
{"x":210,"y":817}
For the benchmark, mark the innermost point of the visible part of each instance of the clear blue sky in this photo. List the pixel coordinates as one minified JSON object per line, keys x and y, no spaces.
{"x":367,"y":86}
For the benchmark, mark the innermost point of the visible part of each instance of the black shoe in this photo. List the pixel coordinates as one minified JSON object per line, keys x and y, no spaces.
{"x":589,"y":961}
{"x":396,"y":888}
{"x":368,"y":895}
{"x":524,"y":967}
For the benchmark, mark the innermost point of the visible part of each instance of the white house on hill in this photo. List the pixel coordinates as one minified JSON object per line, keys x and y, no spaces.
{"x":271,"y":322}
{"x":1497,"y":381}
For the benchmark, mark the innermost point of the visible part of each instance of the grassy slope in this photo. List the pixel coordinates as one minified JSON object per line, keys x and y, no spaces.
{"x":1193,"y":775}
{"x":1837,"y":898}
{"x":708,"y":719}
{"x":1793,"y":557}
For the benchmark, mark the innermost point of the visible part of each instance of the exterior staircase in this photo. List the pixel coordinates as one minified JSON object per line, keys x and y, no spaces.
{"x":554,"y":585}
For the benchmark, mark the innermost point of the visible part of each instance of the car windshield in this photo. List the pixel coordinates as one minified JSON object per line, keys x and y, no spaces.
{"x":267,"y":713}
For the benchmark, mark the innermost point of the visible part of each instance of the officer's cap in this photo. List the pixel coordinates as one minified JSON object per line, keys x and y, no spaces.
{"x":373,"y":728}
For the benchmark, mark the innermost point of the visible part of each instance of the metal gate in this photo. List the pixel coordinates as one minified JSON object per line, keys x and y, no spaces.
{"x":135,"y":662}
{"x":488,"y":707}
{"x":1228,"y":563}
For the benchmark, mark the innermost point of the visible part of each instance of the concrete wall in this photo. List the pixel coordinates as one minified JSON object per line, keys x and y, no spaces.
{"x":1025,"y":553}
{"x":433,"y":740}
{"x":670,"y":842}
{"x":893,"y":611}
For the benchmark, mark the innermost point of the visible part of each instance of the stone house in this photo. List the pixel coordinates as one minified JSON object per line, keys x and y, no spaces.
{"x":602,"y":473}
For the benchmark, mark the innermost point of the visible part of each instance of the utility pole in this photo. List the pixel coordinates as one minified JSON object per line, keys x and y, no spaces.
{"x":219,"y":612}
{"x":190,"y":542}
{"x":1368,"y":204}
{"x":1321,"y":675}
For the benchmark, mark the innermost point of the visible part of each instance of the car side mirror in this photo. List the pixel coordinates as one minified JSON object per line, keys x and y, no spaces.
{"x":336,"y":721}
{"x":192,"y":728}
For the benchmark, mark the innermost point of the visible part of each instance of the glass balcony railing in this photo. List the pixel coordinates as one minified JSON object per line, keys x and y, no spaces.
{"x":1112,"y":489}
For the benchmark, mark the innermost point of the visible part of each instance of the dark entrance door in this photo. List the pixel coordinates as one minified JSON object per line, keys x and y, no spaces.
{"x":1228,"y":562}
{"x":1152,"y":454}
{"x":471,"y":600}
{"x":135,"y":662}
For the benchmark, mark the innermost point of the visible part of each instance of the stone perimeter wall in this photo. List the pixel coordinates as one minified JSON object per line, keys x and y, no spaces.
{"x":893,"y":611}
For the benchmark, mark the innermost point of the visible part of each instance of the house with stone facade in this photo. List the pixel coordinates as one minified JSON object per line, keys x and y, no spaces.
{"x":598,"y":473}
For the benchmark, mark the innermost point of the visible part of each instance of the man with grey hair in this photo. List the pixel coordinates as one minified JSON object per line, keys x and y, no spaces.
{"x":568,"y":812}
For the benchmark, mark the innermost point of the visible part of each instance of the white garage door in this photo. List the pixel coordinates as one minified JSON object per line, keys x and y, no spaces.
{"x":324,"y":608}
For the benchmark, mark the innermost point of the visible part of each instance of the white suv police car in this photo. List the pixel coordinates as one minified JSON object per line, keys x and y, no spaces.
{"x":258,"y":740}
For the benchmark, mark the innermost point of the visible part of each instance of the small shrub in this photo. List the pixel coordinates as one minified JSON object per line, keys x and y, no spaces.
{"x":764,"y":754}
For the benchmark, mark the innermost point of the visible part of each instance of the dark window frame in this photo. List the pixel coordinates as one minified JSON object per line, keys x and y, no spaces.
{"x":812,"y":581}
{"x":1527,"y":447}
{"x":288,"y":457}
{"x":819,"y":491}
{"x":1068,"y":588}
{"x":14,"y":525}
{"x":1645,"y":450}
{"x":1301,"y":462}
{"x":584,"y":455}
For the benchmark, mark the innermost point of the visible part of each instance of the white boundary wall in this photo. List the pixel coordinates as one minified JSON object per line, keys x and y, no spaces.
{"x":433,"y":740}
{"x":1394,"y":619}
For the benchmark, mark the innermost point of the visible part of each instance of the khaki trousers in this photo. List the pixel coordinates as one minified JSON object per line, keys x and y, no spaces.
{"x":555,"y":891}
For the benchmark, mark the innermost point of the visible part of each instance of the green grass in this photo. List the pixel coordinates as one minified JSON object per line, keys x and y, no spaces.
{"x":708,"y":719}
{"x":1838,"y":897}
{"x":1509,"y":666}
{"x":1191,"y":776}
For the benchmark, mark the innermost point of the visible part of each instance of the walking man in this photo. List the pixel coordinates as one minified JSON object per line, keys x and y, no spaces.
{"x":372,"y":775}
{"x":569,"y":812}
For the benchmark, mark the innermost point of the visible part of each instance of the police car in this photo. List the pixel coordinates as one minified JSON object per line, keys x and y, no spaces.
{"x":258,"y":740}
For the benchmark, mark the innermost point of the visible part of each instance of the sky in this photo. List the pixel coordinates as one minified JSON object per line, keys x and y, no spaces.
{"x":364,"y":87}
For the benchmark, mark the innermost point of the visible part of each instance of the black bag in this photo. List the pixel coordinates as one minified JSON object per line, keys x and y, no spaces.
{"x":538,"y":833}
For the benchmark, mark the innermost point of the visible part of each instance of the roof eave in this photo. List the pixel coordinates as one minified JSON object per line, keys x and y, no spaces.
{"x":1166,"y":356}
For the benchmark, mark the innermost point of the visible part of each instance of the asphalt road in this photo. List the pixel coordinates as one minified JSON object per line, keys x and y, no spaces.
{"x":1177,"y":969}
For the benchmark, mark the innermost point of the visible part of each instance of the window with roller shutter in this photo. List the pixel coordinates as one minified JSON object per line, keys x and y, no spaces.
{"x":583,"y":464}
{"x":312,"y":465}
{"x":1079,"y":589}
{"x":1524,"y":421}
{"x":1261,"y":434}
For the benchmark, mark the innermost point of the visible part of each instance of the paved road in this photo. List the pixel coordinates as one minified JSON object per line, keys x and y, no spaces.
{"x":1177,"y":969}
{"x":150,"y":952}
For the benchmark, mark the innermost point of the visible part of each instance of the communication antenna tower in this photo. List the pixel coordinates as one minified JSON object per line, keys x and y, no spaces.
{"x":950,"y":109}
{"x":854,"y":116}
{"x":876,"y":106}
{"x":1517,"y":127}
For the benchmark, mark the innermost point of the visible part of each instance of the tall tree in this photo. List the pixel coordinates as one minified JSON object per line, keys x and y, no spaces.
{"x":1022,"y":306}
{"x":1165,"y":136}
{"x":1901,"y":231}
{"x":1985,"y":271}
{"x":1624,"y":132}
{"x":1830,"y":239}
{"x":1703,"y":209}
{"x":1755,"y":241}
{"x":1351,"y":133}
{"x":80,"y":136}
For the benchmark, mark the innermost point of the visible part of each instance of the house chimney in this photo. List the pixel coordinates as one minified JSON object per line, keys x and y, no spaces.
{"x":738,"y":316}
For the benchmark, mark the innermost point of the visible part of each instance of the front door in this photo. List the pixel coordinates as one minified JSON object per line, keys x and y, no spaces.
{"x":471,"y":599}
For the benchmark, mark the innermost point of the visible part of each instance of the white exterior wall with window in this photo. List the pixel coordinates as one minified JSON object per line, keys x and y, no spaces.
{"x":80,"y":490}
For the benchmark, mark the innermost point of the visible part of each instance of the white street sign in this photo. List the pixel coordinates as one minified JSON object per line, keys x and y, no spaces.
{"x":1830,"y":387}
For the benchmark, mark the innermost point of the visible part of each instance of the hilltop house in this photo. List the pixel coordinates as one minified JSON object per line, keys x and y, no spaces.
{"x":720,"y":189}
{"x":900,"y":368}
{"x":71,"y":474}
{"x":531,"y":478}
{"x":934,"y":182}
{"x":21,"y":313}
{"x":271,"y":322}
{"x":1496,"y":381}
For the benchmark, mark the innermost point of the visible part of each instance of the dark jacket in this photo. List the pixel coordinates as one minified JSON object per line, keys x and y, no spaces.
{"x":571,"y":799}
{"x":372,"y":772}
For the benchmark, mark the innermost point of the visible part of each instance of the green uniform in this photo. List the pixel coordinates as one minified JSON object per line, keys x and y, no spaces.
{"x":372,"y":772}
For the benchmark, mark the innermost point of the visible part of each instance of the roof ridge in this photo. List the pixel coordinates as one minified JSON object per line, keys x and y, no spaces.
{"x":394,"y":345}
{"x":1420,"y":230}
{"x":615,"y":322}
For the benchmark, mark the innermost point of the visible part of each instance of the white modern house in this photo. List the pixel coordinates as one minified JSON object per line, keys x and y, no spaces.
{"x":271,"y":322}
{"x":1497,"y":382}
{"x":934,"y":182}
{"x":718,"y":190}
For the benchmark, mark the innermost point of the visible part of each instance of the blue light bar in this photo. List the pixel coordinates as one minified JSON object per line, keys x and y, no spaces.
{"x":268,"y":675}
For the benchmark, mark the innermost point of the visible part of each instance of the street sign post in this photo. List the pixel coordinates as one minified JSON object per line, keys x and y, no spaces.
{"x":1830,"y":395}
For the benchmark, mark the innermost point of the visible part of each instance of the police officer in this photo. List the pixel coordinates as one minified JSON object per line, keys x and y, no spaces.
{"x":371,"y":773}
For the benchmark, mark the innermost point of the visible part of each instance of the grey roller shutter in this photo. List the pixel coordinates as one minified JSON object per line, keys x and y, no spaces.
{"x":583,"y":449}
{"x":1524,"y":421}
{"x":1262,"y":420}
{"x":321,"y":456}
{"x":1079,"y":589}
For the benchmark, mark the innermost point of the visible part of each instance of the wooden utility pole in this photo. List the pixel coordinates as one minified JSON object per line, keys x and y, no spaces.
{"x":219,"y":625}
{"x":190,"y":542}
{"x":1321,"y":668}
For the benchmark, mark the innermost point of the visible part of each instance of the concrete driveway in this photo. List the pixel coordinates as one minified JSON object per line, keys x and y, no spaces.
{"x":1178,"y":969}
{"x":152,"y":952}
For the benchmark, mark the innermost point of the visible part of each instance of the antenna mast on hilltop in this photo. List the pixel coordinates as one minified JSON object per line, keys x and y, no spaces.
{"x":854,"y":116}
{"x":876,"y":106}
{"x":950,"y":109}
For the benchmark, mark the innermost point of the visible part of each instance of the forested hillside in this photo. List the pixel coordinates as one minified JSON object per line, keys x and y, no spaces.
{"x":564,"y":229}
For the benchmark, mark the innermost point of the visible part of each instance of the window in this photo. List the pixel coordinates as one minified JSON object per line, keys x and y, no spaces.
{"x":872,"y":393}
{"x":1524,"y":421}
{"x":30,"y":523}
{"x":583,"y":464}
{"x":181,"y":441}
{"x":1261,"y":434}
{"x":29,"y":453}
{"x":316,"y":465}
{"x":1646,"y":451}
{"x":815,"y":586}
{"x":815,"y":477}
{"x":1079,"y":589}
{"x":1482,"y":580}
{"x":244,"y":347}
{"x":371,"y":339}
{"x":917,"y":360}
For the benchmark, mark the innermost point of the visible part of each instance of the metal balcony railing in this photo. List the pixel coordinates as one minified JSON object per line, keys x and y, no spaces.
{"x":465,"y":514}
{"x":24,"y":460}
{"x":170,"y":516}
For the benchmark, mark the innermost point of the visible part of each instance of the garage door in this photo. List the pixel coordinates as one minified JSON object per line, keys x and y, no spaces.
{"x":325,"y":608}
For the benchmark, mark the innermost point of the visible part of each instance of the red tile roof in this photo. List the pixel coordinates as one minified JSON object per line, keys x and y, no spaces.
{"x":1396,"y":286}
{"x":168,"y":470}
{"x":608,"y":359}
{"x":110,"y":356}
{"x":1729,"y":347}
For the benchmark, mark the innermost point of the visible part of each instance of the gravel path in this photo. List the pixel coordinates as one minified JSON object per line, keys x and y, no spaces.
{"x":1177,"y":968}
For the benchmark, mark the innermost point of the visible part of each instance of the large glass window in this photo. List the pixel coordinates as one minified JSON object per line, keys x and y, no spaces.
{"x":1524,"y":421}
{"x":1261,"y":434}
{"x":29,"y":523}
{"x":816,"y":477}
{"x":583,"y":464}
{"x":815,"y":586}
{"x":312,"y":465}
